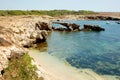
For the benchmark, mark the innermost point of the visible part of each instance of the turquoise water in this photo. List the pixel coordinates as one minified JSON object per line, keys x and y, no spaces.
{"x":99,"y":51}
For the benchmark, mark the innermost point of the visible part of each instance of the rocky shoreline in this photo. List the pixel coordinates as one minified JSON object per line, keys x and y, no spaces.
{"x":18,"y":33}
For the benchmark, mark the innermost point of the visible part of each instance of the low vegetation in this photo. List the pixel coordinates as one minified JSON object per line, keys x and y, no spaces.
{"x":44,"y":12}
{"x":20,"y":69}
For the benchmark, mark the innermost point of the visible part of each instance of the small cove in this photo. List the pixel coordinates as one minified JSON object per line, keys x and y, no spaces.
{"x":97,"y":51}
{"x":89,"y":49}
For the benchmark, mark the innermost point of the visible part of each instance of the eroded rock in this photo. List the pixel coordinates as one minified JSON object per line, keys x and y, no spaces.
{"x":43,"y":26}
{"x":16,"y":35}
{"x":69,"y":26}
{"x":92,"y":28}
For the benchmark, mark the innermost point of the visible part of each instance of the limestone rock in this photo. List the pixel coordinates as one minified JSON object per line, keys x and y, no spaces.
{"x":17,"y":34}
{"x":43,"y":26}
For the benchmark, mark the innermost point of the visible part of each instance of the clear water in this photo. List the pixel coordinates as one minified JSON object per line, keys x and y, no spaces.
{"x":99,"y":51}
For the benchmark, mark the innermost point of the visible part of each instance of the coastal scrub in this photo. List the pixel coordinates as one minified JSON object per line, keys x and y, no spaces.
{"x":21,"y":69}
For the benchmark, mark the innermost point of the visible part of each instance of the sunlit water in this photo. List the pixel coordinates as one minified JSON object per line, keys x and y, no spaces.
{"x":99,"y":51}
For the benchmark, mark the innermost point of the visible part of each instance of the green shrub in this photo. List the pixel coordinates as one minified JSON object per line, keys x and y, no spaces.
{"x":21,"y":69}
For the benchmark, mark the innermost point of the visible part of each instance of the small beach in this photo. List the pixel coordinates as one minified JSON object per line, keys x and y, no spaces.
{"x":54,"y":69}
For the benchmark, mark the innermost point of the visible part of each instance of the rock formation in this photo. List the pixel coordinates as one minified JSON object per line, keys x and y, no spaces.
{"x":15,"y":34}
{"x":69,"y":26}
{"x":43,"y":26}
{"x":92,"y":28}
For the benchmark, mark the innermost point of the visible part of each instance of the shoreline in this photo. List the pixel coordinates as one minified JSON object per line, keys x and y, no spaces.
{"x":54,"y":69}
{"x":19,"y":32}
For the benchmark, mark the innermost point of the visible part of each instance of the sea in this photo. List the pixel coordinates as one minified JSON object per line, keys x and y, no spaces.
{"x":99,"y":51}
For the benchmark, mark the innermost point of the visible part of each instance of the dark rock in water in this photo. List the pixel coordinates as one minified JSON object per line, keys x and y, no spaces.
{"x":43,"y":26}
{"x":101,"y":18}
{"x":60,"y":29}
{"x":69,"y":26}
{"x":92,"y":28}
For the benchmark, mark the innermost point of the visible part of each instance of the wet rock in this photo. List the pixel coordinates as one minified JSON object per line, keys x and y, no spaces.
{"x":92,"y":28}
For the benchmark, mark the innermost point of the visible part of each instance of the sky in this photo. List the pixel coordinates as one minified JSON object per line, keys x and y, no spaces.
{"x":94,"y":5}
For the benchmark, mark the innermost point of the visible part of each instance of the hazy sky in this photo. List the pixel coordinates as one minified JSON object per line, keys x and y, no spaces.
{"x":95,"y":5}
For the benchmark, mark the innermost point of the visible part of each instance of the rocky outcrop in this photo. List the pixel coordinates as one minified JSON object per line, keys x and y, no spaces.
{"x":74,"y":27}
{"x":101,"y":18}
{"x":17,"y":35}
{"x":69,"y":26}
{"x":92,"y":28}
{"x":43,"y":26}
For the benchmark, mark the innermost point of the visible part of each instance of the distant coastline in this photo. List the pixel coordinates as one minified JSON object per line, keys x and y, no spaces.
{"x":57,"y":13}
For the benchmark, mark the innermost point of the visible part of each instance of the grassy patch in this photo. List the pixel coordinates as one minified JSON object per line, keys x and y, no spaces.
{"x":21,"y":69}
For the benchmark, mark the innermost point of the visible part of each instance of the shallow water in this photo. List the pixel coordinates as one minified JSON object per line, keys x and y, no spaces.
{"x":99,"y":51}
{"x":52,"y":68}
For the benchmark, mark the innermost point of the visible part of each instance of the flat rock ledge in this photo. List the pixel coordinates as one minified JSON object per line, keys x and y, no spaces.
{"x":17,"y":35}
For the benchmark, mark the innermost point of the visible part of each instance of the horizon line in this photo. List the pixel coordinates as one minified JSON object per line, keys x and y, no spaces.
{"x":55,"y":9}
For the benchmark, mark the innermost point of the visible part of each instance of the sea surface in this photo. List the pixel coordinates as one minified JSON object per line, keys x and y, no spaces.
{"x":99,"y":51}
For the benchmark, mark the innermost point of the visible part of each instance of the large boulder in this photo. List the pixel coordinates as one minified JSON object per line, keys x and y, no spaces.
{"x":43,"y":26}
{"x":92,"y":28}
